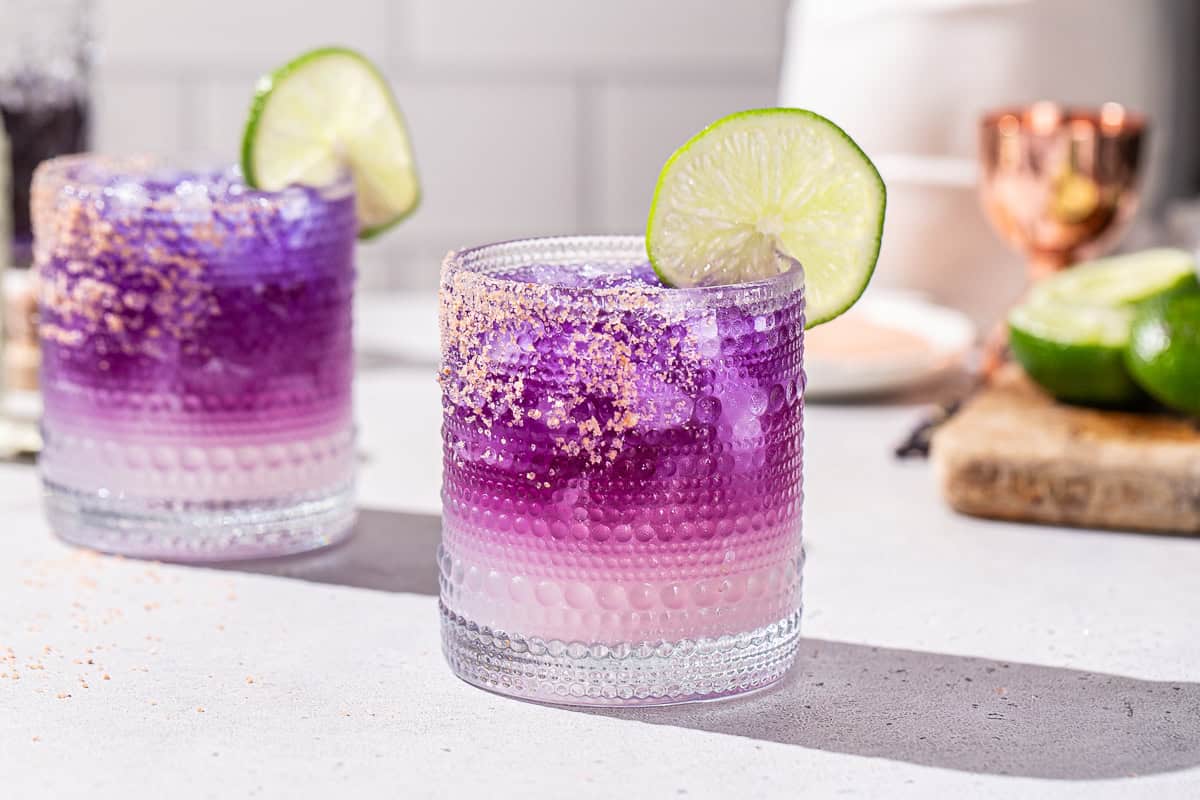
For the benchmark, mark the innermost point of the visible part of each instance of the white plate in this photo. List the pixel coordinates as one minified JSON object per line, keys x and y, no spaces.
{"x":941,"y":339}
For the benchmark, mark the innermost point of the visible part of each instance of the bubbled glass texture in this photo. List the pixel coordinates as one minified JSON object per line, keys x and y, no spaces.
{"x":197,"y":360}
{"x":622,"y":475}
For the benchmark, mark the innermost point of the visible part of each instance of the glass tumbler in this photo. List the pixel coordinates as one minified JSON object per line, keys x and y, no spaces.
{"x":622,"y":475}
{"x":197,"y":359}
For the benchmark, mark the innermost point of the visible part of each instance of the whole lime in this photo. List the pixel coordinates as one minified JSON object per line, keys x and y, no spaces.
{"x":1164,"y":350}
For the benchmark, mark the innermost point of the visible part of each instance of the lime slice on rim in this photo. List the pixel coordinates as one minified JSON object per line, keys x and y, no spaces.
{"x":1076,"y":353}
{"x":1119,"y":280}
{"x":327,"y":111}
{"x":761,"y":183}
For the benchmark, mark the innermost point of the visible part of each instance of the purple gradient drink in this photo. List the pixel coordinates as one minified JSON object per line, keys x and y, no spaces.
{"x":622,"y":475}
{"x":197,"y":360}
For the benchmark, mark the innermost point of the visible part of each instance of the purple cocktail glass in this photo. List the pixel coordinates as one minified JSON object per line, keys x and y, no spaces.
{"x":197,"y":360}
{"x":622,"y":475}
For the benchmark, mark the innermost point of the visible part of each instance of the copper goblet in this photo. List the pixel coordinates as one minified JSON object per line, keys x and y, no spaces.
{"x":1060,"y":184}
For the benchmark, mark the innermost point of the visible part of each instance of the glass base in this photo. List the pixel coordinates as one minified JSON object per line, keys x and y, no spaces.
{"x":200,"y":531}
{"x":626,"y":674}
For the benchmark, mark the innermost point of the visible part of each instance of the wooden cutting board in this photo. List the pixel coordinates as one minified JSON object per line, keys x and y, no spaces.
{"x":1014,"y":453}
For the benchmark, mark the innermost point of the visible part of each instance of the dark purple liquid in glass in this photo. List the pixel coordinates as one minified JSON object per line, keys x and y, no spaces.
{"x":197,"y":359}
{"x":42,"y":120}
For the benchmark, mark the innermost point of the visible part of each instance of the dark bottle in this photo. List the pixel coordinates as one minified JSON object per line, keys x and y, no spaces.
{"x":44,"y":64}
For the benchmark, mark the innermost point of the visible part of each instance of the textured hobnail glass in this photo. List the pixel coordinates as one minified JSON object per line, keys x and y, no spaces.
{"x":197,"y":360}
{"x":622,"y":475}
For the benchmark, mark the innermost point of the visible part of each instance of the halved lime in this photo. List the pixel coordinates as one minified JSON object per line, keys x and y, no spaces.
{"x":1076,"y":353}
{"x":1164,"y":350}
{"x":758,"y":184}
{"x":1119,"y":280}
{"x":327,"y":111}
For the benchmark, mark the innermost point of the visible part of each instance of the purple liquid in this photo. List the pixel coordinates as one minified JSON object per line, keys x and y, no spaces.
{"x":622,"y":460}
{"x":196,"y":334}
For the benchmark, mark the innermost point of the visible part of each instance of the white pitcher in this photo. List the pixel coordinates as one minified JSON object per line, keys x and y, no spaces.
{"x":908,"y":80}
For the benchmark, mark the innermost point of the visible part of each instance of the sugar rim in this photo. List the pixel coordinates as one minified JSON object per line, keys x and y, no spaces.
{"x":486,"y":259}
{"x":95,"y":175}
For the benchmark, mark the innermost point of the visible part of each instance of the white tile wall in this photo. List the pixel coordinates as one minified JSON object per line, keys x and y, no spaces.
{"x":214,"y":34}
{"x":528,"y":116}
{"x":118,"y":128}
{"x":588,"y":34}
{"x":638,"y":127}
{"x":494,"y":159}
{"x":495,"y":162}
{"x":216,"y":110}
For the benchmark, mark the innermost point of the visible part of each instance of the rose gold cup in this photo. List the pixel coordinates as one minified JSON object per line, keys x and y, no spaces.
{"x":1060,"y":184}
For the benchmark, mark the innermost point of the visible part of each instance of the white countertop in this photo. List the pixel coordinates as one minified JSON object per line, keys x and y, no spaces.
{"x":946,"y":656}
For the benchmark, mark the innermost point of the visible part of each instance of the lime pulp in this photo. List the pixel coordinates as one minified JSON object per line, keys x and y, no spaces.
{"x":757,"y":190}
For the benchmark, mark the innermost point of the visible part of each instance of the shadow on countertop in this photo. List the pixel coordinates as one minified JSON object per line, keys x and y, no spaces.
{"x":954,"y":712}
{"x":933,"y":709}
{"x":390,"y":551}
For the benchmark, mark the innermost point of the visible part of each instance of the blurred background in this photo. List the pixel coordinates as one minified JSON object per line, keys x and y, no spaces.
{"x":555,"y":116}
{"x":528,"y":116}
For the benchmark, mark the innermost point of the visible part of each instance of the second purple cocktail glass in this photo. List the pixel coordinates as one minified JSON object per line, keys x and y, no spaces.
{"x":197,"y":360}
{"x":622,"y":479}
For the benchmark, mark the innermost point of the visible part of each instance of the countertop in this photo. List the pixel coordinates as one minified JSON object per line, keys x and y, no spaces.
{"x":944,"y":656}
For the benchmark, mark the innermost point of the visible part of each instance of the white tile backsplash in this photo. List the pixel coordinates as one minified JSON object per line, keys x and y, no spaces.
{"x":138,"y":113}
{"x":495,"y":160}
{"x":217,"y":114}
{"x":207,"y":35}
{"x":528,"y":116}
{"x":638,"y":129}
{"x":610,"y":35}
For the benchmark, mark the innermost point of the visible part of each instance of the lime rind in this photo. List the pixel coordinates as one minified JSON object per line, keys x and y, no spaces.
{"x":759,"y":183}
{"x":323,"y":112}
{"x":1076,"y":353}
